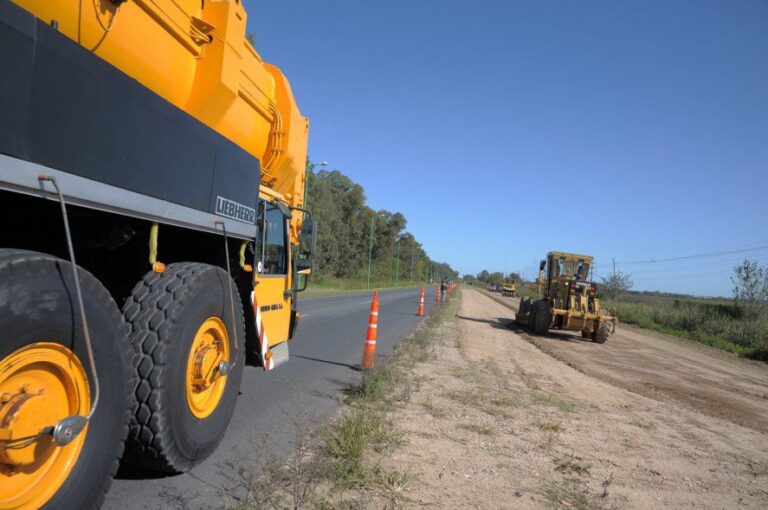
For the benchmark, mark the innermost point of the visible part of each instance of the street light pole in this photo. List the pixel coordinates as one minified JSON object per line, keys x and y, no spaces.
{"x":413,"y":252}
{"x":397,"y":278}
{"x":370,"y":252}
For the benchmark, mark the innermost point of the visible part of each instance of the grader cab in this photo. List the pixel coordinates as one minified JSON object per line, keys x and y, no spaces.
{"x":568,"y":299}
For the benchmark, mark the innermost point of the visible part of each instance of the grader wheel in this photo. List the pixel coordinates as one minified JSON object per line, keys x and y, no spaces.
{"x":543,"y":317}
{"x":602,"y":333}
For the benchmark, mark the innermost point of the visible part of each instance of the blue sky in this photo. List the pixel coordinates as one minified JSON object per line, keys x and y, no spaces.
{"x":505,"y":129}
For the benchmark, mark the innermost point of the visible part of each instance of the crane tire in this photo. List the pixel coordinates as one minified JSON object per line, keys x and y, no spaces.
{"x":40,"y":320}
{"x":165,"y":313}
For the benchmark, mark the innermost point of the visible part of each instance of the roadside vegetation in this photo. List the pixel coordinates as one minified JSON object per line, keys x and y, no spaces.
{"x":338,"y":465}
{"x":739,"y":325}
{"x":719,"y":323}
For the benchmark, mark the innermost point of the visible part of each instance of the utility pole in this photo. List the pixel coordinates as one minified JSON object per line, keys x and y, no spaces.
{"x":370,"y":251}
{"x":614,"y":269}
{"x":397,"y":278}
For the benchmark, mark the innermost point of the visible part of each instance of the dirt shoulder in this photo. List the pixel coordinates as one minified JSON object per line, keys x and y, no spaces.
{"x":494,"y":421}
{"x":706,"y":379}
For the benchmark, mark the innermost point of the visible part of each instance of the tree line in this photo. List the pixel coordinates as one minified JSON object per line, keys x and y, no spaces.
{"x":349,"y":232}
{"x":495,"y":278}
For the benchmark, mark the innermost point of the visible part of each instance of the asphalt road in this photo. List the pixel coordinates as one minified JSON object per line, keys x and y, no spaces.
{"x":325,"y":354}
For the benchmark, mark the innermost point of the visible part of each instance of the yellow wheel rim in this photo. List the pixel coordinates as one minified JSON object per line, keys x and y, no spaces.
{"x":205,"y":384}
{"x":40,"y":384}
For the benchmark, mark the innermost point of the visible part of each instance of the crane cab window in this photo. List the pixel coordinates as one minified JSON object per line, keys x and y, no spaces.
{"x":274,"y":254}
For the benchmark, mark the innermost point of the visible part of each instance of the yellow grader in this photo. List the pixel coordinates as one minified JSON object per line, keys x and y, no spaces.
{"x":509,"y":289}
{"x":568,"y":299}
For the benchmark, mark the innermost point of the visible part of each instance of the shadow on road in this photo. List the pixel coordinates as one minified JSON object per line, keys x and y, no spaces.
{"x":356,"y":368}
{"x":498,"y":323}
{"x":128,"y":472}
{"x":562,"y":336}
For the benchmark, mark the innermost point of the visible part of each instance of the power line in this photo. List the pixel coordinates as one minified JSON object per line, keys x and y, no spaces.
{"x":689,"y":257}
{"x":685,"y":268}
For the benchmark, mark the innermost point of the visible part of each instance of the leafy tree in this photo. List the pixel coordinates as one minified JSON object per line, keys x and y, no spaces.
{"x":750,"y":287}
{"x":615,"y":284}
{"x":338,"y":205}
{"x":484,"y":276}
{"x":513,"y":277}
{"x":496,"y":278}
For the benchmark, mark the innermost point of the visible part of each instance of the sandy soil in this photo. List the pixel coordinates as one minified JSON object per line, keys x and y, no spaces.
{"x":640,"y":422}
{"x":667,"y":368}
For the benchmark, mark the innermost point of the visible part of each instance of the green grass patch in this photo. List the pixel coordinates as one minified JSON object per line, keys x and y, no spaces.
{"x":758,"y":470}
{"x":549,"y":426}
{"x":548,"y":399}
{"x":478,"y":428}
{"x":718,"y":323}
{"x":645,"y":425}
{"x":570,"y":494}
{"x":346,"y":442}
{"x":572,"y":465}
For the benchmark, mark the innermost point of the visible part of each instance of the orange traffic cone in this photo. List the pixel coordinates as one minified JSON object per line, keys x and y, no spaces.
{"x":437,"y":295}
{"x":369,"y":352}
{"x":420,"y":313}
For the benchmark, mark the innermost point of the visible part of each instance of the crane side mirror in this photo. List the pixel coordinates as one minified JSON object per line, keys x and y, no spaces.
{"x":308,"y":238}
{"x":304,"y":266}
{"x":542,"y":265}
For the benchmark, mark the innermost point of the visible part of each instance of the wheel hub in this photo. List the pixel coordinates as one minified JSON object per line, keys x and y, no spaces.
{"x":206,"y":361}
{"x":24,"y":416}
{"x":205,"y":382}
{"x":40,"y":384}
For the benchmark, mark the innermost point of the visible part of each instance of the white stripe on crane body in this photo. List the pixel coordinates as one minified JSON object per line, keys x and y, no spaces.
{"x":261,"y":334}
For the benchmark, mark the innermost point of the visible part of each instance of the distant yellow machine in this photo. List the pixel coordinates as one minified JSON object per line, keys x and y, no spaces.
{"x":509,"y":289}
{"x":568,"y":299}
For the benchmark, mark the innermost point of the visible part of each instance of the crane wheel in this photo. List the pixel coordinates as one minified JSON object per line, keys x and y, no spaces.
{"x":45,"y":376}
{"x":182,"y":329}
{"x":602,"y":333}
{"x":543,"y":317}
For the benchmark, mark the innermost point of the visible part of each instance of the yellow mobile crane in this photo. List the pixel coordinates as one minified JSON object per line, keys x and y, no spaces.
{"x":152,"y":180}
